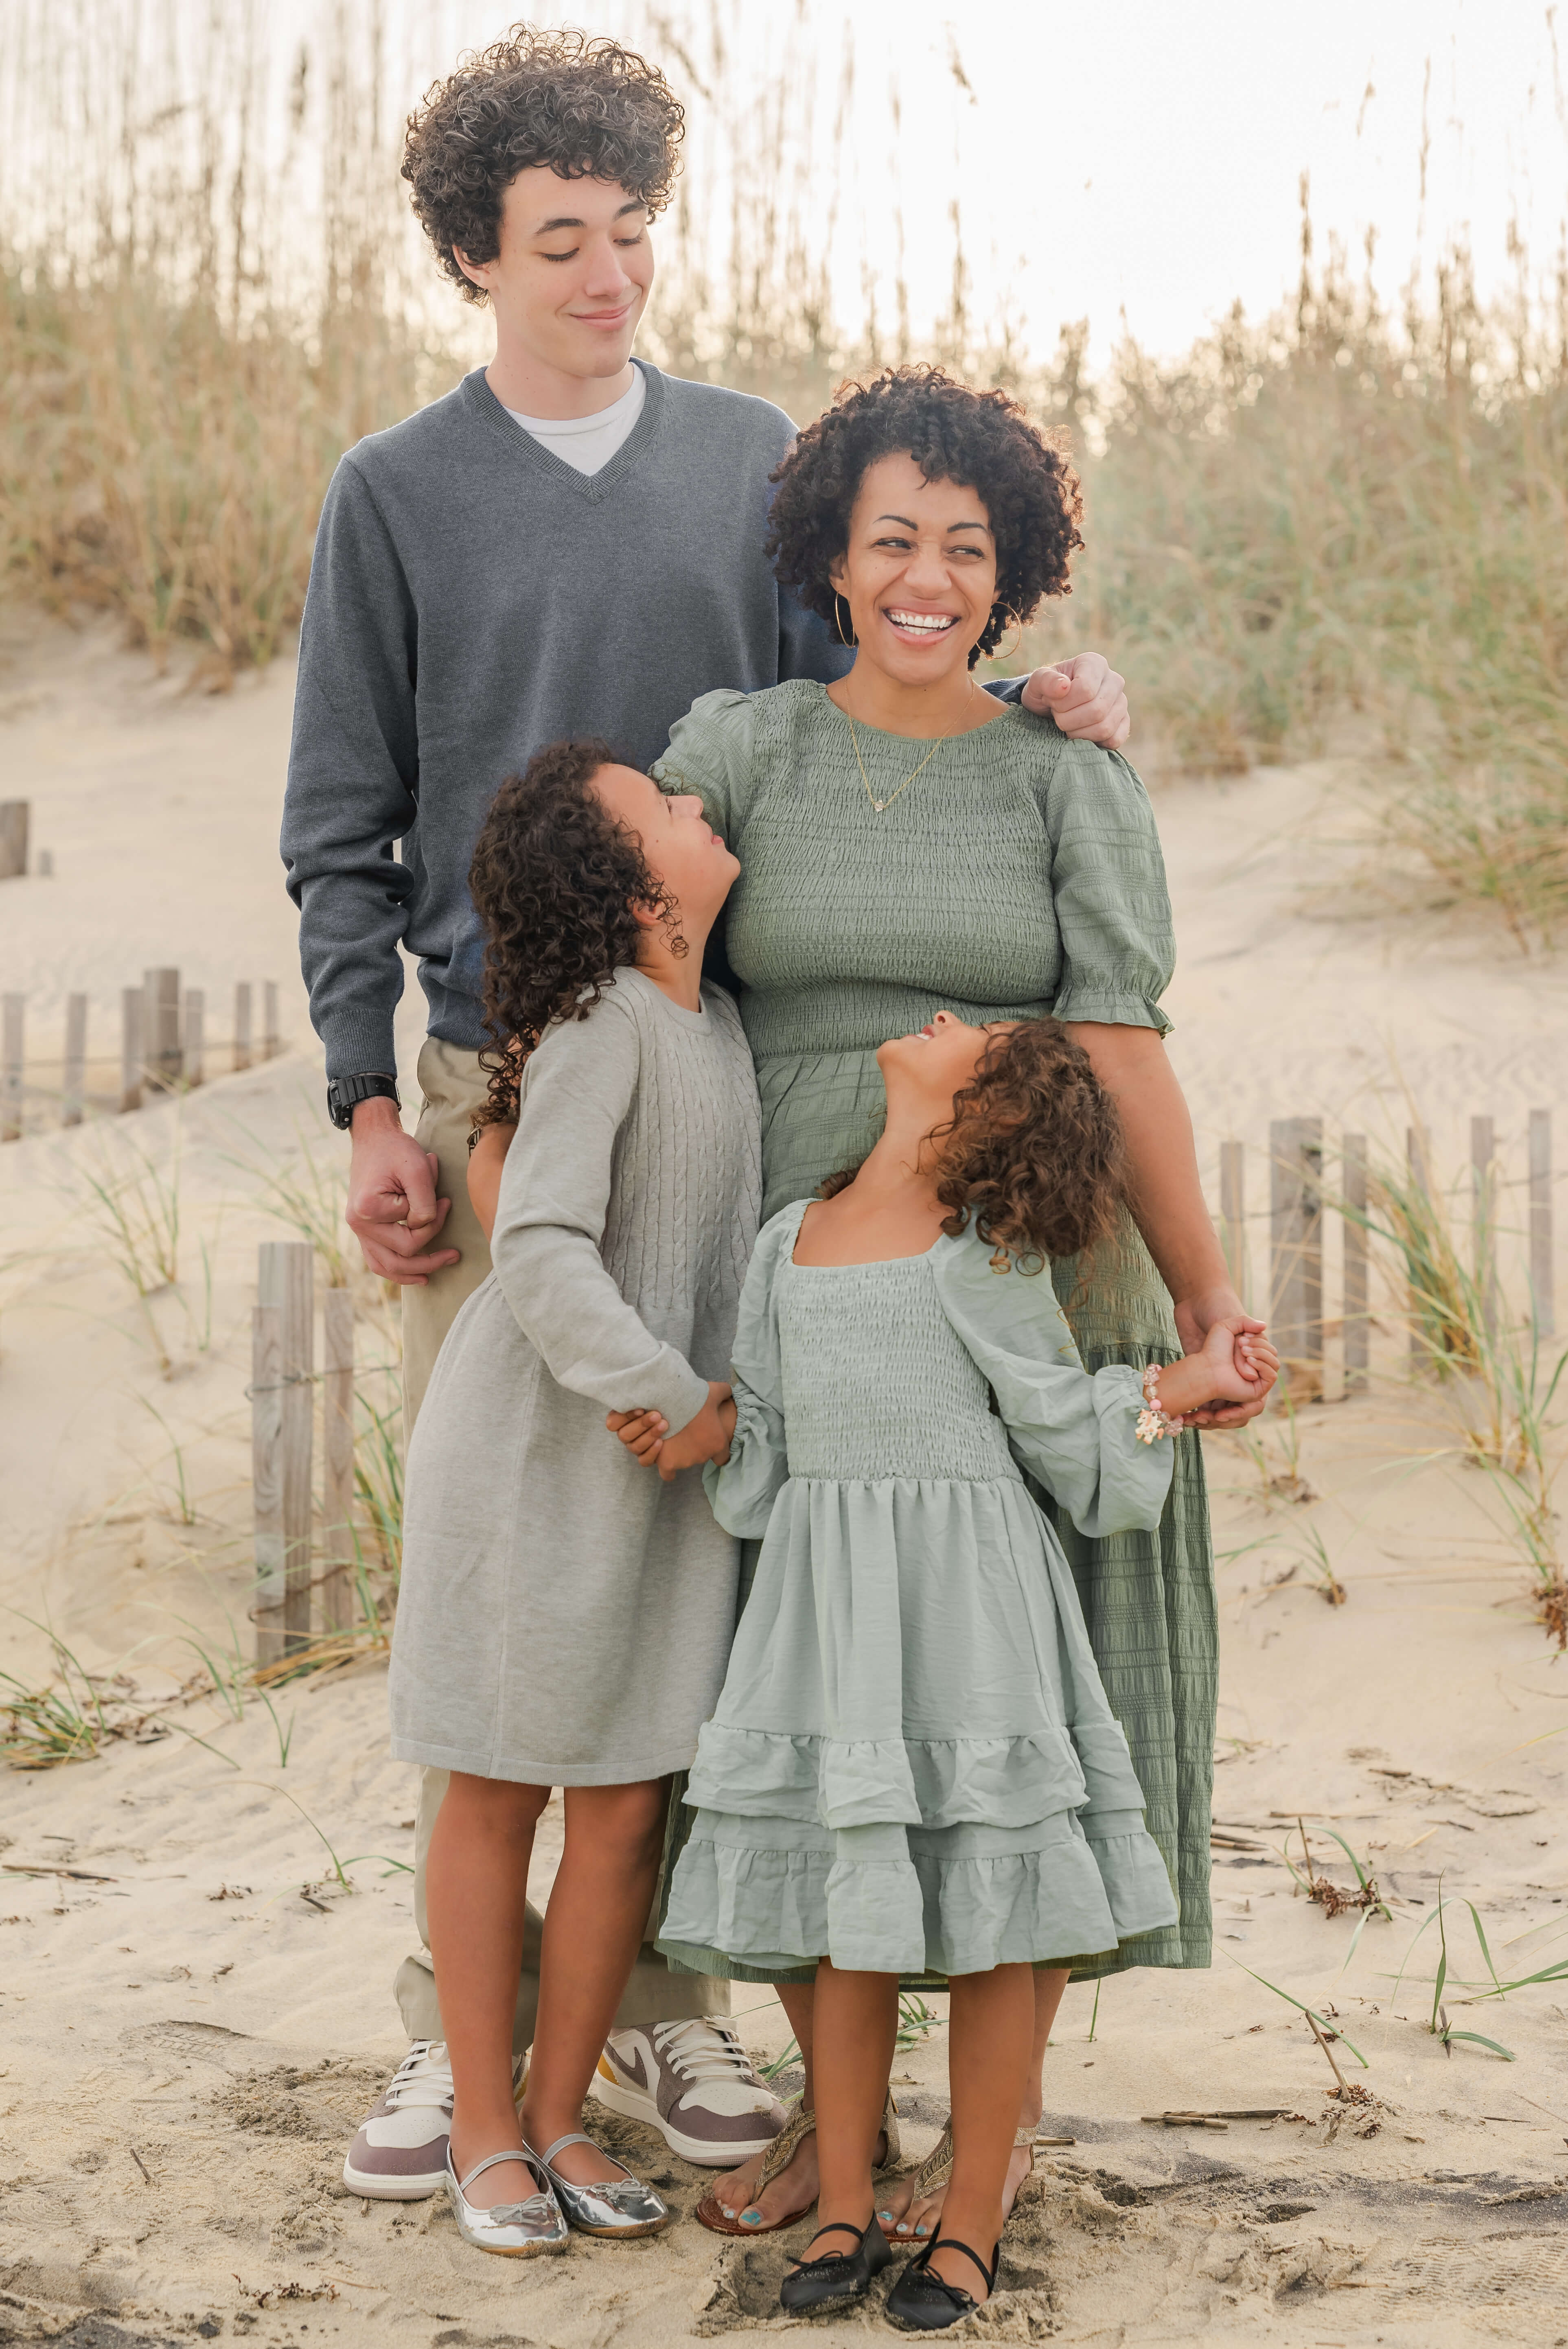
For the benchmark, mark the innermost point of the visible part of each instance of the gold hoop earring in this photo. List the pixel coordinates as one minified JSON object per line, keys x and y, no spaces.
{"x":849,"y":643}
{"x":997,"y":653}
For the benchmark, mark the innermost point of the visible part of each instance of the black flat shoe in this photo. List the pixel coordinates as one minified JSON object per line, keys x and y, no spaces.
{"x":923,"y":2301}
{"x":837,"y":2275}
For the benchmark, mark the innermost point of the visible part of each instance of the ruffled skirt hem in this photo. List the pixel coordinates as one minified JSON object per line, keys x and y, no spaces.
{"x":884,"y":1900}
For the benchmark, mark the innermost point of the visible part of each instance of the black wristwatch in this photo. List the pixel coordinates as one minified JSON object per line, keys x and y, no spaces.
{"x":344,"y":1095}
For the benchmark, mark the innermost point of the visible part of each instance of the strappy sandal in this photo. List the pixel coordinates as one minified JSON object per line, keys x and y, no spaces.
{"x":936,"y":2171}
{"x":923,"y":2301}
{"x":777,"y":2159}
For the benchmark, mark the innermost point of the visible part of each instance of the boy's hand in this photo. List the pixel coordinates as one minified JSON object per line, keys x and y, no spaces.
{"x":647,"y":1434}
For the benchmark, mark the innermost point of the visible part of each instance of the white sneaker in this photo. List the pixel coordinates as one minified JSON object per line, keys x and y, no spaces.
{"x":401,"y":2153}
{"x":694,"y":2083}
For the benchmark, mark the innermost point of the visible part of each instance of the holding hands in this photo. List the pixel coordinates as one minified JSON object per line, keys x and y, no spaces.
{"x":646,"y":1434}
{"x":1234,"y":1366}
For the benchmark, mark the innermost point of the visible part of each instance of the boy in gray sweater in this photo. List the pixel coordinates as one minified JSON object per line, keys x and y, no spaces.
{"x":569,"y":543}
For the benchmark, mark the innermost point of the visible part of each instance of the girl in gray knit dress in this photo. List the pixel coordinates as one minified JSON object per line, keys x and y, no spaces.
{"x":913,"y":1763}
{"x":563,"y":1619}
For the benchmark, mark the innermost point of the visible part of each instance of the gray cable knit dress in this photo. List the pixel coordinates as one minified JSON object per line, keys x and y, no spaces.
{"x":564,"y":1617}
{"x":913,"y":1764}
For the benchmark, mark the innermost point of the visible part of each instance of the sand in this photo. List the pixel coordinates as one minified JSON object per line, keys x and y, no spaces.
{"x":196,"y":2006}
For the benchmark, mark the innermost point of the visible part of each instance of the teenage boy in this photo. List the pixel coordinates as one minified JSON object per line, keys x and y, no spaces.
{"x":568,"y":543}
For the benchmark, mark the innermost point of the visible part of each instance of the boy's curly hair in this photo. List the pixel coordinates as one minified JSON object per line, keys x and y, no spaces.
{"x":589,"y":108}
{"x":980,"y":440}
{"x":555,"y":880}
{"x":1033,"y":1155}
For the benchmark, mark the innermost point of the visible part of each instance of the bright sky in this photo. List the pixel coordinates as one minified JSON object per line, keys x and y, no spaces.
{"x":1110,"y":157}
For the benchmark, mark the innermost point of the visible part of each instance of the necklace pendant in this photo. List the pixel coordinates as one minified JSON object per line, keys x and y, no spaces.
{"x":879,"y":806}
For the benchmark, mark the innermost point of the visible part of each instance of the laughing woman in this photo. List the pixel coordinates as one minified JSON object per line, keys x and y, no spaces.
{"x":909,"y":844}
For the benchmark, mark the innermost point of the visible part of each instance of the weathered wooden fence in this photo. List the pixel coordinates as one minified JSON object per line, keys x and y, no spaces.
{"x":164,"y":1048}
{"x":304,"y":1588}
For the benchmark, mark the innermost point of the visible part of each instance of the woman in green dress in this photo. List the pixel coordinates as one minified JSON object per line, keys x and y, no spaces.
{"x":911,"y":844}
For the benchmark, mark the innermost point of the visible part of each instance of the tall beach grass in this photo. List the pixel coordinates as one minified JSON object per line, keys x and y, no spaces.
{"x":1335,"y":525}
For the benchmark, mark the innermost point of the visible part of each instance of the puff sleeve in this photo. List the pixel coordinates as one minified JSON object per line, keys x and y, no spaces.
{"x":742,"y":1492}
{"x":709,"y":753}
{"x":1076,"y":1432}
{"x":1107,"y":879}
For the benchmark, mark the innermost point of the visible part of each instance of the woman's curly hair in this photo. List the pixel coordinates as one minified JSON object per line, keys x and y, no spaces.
{"x":555,"y":880}
{"x":1033,"y":1155}
{"x":589,"y":109}
{"x":980,"y":440}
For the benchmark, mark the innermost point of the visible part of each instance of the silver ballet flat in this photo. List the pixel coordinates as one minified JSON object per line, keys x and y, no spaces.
{"x":621,"y":2206}
{"x":518,"y":2230}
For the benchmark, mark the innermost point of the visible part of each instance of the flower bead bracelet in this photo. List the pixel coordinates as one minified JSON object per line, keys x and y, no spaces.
{"x":1152,"y":1420}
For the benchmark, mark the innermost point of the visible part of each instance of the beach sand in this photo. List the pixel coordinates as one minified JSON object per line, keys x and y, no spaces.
{"x":199,"y":1928}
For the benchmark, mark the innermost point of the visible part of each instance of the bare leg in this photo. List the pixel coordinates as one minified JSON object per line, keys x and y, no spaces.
{"x":593,"y":1927}
{"x":907,"y":2224}
{"x":476,"y":1887}
{"x":856,"y":2025}
{"x":992,"y":2024}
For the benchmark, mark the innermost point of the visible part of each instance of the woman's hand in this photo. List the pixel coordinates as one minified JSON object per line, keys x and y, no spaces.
{"x":1214,"y":1309}
{"x":646,"y":1434}
{"x":1232,"y":1366}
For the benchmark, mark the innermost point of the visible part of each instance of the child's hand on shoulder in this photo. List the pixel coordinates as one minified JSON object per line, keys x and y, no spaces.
{"x":646,"y":1434}
{"x":1233,"y":1367}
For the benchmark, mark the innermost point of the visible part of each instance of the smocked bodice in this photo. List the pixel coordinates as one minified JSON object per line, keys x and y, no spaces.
{"x":875,"y":1381}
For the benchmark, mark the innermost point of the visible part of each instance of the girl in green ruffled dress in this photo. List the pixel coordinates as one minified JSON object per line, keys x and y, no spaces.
{"x":913,"y":1765}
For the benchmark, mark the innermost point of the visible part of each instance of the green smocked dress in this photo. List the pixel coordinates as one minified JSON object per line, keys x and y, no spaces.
{"x":912,"y":1766}
{"x":1019,"y":874}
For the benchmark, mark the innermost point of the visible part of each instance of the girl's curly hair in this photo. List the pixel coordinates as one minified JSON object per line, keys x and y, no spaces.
{"x":980,"y":440}
{"x":589,"y":109}
{"x":555,"y":880}
{"x":1033,"y":1155}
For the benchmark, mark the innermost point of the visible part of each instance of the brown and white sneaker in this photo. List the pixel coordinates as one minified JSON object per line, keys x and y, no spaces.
{"x":694,"y":2083}
{"x":400,"y":2152}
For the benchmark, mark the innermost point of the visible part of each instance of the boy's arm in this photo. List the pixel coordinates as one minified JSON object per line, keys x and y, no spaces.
{"x":485,"y":1163}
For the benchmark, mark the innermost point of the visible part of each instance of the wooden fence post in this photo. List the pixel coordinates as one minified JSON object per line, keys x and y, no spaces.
{"x":337,"y":1462}
{"x":161,"y":1037}
{"x":1483,"y":1211}
{"x":1295,"y":1201}
{"x":1234,"y":1213}
{"x":1357,"y":1328}
{"x":286,"y":1280}
{"x":242,"y":1024}
{"x":1543,"y":1285}
{"x":1419,"y":1173}
{"x":194,"y":1037}
{"x":267,"y":1479}
{"x":14,"y":820}
{"x":12,"y":1052}
{"x":271,"y":1046}
{"x":132,"y":1004}
{"x":73,"y":1090}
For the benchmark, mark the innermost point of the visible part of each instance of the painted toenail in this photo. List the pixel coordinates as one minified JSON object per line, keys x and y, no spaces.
{"x":922,"y":2229}
{"x":751,"y":2218}
{"x":883,"y":2216}
{"x":903,"y":2226}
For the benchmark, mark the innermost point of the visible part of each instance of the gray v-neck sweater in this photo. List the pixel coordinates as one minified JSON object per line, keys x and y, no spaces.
{"x":473,"y":597}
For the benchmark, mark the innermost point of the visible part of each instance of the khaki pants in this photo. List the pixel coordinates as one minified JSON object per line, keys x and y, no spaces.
{"x":453,"y":1084}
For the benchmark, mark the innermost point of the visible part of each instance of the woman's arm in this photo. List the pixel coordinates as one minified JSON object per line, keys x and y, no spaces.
{"x":1168,"y":1202}
{"x":486,"y":1160}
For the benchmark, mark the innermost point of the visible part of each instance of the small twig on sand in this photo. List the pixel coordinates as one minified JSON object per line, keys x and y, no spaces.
{"x":140,"y":2164}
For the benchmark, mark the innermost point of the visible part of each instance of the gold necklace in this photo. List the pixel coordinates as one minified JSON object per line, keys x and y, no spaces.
{"x":881,"y":806}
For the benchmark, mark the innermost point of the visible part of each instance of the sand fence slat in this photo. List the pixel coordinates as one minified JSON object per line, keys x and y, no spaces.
{"x":271,"y":1042}
{"x":337,"y":1460}
{"x":1543,"y":1284}
{"x":73,"y":1089}
{"x":133,"y":1046}
{"x":1234,"y":1213}
{"x":1357,"y":1323}
{"x":286,"y":1280}
{"x":242,"y":1024}
{"x":1483,"y":1216}
{"x":193,"y":1036}
{"x":161,"y":1040}
{"x":267,"y":1480}
{"x":1296,"y":1220}
{"x":15,"y":816}
{"x":13,"y":1048}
